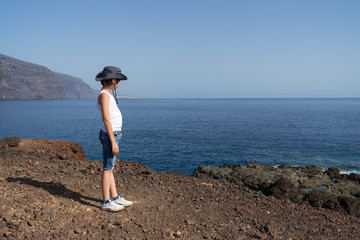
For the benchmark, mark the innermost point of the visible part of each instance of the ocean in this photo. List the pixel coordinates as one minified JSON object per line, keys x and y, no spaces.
{"x":181,"y":134}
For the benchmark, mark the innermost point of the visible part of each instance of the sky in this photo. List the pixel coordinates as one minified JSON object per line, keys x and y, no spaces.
{"x":194,"y":48}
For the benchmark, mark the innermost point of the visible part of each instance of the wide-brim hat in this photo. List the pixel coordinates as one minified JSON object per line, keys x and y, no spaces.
{"x":109,"y":73}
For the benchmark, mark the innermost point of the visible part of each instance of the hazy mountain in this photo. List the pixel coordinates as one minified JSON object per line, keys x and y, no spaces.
{"x":75,"y":87}
{"x":24,"y":80}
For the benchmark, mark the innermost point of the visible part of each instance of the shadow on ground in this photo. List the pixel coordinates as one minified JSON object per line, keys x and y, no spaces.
{"x":55,"y":189}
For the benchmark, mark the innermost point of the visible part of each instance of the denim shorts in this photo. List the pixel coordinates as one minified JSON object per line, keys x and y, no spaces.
{"x":108,"y":157}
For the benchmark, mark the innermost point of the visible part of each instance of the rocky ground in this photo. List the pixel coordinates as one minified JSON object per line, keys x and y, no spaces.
{"x":49,"y":190}
{"x":309,"y":185}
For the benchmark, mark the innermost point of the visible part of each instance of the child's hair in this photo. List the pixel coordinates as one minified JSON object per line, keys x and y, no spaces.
{"x":106,"y":83}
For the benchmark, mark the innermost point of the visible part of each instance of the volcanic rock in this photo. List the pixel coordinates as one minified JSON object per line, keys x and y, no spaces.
{"x":312,"y":185}
{"x":9,"y":142}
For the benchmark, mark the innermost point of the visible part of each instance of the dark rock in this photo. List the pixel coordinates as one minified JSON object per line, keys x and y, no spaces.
{"x":146,"y":172}
{"x":293,"y":183}
{"x":251,"y":175}
{"x":354,"y":177}
{"x":30,"y":223}
{"x":333,"y":172}
{"x":12,"y":141}
{"x":313,"y":170}
{"x":216,"y":173}
{"x":282,"y":166}
{"x":322,"y":199}
{"x":350,"y":205}
{"x":284,"y":189}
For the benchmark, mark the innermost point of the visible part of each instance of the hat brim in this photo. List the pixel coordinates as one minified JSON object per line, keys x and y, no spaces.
{"x":118,"y":76}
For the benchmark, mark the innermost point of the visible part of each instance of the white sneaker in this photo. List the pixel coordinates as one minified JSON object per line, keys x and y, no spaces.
{"x":122,"y":202}
{"x":111,"y":206}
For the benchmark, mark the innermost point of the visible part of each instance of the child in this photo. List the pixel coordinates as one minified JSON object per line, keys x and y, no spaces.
{"x":110,"y":134}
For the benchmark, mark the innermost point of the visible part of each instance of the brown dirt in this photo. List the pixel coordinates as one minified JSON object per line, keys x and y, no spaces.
{"x":49,"y":190}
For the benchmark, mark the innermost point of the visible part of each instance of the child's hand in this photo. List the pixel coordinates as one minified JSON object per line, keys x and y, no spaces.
{"x":115,"y":149}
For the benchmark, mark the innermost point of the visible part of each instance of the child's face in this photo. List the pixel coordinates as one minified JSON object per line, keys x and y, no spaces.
{"x":116,"y":83}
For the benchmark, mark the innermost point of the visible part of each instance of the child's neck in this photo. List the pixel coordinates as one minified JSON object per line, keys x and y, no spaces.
{"x":106,"y":89}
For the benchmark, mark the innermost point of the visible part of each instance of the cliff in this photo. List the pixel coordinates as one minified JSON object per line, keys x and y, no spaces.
{"x":75,"y":87}
{"x":24,"y":80}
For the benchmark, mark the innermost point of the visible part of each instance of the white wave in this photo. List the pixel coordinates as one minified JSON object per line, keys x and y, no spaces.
{"x":342,"y":171}
{"x":348,"y":172}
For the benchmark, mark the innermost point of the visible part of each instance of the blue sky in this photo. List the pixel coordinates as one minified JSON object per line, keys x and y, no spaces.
{"x":194,"y":48}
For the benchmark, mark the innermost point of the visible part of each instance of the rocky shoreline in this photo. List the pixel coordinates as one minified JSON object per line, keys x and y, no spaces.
{"x":310,"y":185}
{"x":49,"y":190}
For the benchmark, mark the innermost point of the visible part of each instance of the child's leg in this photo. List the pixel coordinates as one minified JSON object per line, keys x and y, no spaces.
{"x":107,"y":179}
{"x":105,"y":184}
{"x":113,"y":191}
{"x":108,"y":184}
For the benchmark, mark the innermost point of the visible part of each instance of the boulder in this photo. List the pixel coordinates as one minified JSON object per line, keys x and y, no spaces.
{"x":333,"y":172}
{"x":9,"y":142}
{"x":322,"y":199}
{"x":284,"y":189}
{"x":350,"y":205}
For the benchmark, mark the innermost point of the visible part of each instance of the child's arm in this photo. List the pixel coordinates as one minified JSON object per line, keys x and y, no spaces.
{"x":104,"y":101}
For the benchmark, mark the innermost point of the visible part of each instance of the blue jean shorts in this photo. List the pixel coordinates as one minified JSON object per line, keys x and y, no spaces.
{"x":108,"y":156}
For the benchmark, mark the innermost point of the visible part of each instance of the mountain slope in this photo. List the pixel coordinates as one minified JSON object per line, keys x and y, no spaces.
{"x":75,"y":87}
{"x":24,"y":80}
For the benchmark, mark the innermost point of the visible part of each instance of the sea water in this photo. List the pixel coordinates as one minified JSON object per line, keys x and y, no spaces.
{"x":181,"y":134}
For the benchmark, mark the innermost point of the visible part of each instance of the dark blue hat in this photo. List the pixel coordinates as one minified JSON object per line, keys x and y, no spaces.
{"x":109,"y":73}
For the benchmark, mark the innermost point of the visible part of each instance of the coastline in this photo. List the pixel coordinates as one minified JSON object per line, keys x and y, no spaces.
{"x":309,"y":185}
{"x":51,"y":190}
{"x":235,"y":135}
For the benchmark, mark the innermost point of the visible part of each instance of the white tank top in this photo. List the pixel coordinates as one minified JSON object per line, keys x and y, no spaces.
{"x":114,"y":112}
